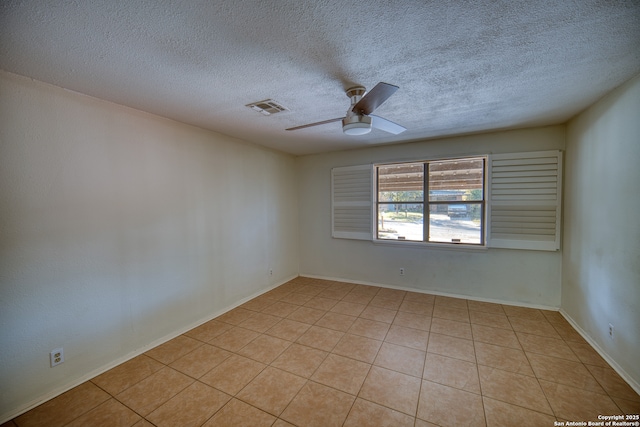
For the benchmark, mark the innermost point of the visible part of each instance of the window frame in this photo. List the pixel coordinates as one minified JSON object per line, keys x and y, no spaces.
{"x":427,"y":203}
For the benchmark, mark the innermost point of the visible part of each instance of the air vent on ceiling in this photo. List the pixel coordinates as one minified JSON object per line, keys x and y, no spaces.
{"x":267,"y":107}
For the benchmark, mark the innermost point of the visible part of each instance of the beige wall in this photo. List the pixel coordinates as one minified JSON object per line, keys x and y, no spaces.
{"x":518,"y":276}
{"x":119,"y":229}
{"x":601,"y":263}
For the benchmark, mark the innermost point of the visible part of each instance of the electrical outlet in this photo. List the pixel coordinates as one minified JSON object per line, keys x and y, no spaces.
{"x":610,"y":331}
{"x":402,"y":271}
{"x":270,"y":272}
{"x":56,"y":356}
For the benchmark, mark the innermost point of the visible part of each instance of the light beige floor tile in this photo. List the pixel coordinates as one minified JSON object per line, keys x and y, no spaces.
{"x":320,"y":338}
{"x":260,"y":322}
{"x":237,"y":413}
{"x":554,"y":317}
{"x":259,"y":303}
{"x":311,"y":289}
{"x":334,"y":293}
{"x":277,"y":293}
{"x":450,"y":302}
{"x":391,"y":389}
{"x":306,"y":315}
{"x":445,"y":312}
{"x":545,"y":345}
{"x":562,"y":371}
{"x":524,"y":312}
{"x":342,"y":373}
{"x":233,"y":374}
{"x":408,"y":337}
{"x":378,"y":313}
{"x":451,"y":328}
{"x":451,"y":372}
{"x":358,"y":298}
{"x":336,"y":321}
{"x":501,"y":414}
{"x":174,"y":349}
{"x":390,"y":304}
{"x":201,"y":360}
{"x":318,"y":406}
{"x":568,"y":334}
{"x":300,"y":360}
{"x":420,"y":298}
{"x":320,"y":303}
{"x":412,"y":320}
{"x":572,"y":403}
{"x":288,"y":329}
{"x":448,"y":406}
{"x":629,"y":407}
{"x":358,"y":347}
{"x":401,"y":359}
{"x":296,"y":298}
{"x":282,"y":423}
{"x":365,"y":413}
{"x":272,"y":390}
{"x":534,"y":327}
{"x":494,"y":320}
{"x":446,"y":345}
{"x":280,"y":309}
{"x":613,"y":383}
{"x":208,"y":331}
{"x":408,"y":306}
{"x":234,"y":339}
{"x":143,"y":423}
{"x":513,"y":388}
{"x":64,"y":408}
{"x":109,"y":414}
{"x":190,"y":408}
{"x":264,"y":349}
{"x":348,"y":308}
{"x":236,"y":316}
{"x":127,"y":374}
{"x":153,"y":391}
{"x":587,"y":354}
{"x":423,"y":423}
{"x":496,"y":336}
{"x":369,"y":328}
{"x":507,"y":359}
{"x":391,"y":294}
{"x":486,"y":307}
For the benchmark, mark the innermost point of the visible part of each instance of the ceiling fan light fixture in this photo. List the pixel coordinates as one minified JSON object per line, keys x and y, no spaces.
{"x":356,"y":125}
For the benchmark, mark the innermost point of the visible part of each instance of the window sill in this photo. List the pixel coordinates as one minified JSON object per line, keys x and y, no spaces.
{"x":429,"y":245}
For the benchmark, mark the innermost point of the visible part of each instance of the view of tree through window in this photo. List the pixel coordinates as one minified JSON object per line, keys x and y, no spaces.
{"x":454,"y":202}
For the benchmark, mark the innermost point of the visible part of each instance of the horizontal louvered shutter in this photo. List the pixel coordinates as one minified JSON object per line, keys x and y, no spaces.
{"x":351,"y":202}
{"x":525,"y":198}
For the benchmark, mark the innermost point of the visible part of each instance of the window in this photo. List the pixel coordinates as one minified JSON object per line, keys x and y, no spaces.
{"x":520,"y":208}
{"x":452,"y":210}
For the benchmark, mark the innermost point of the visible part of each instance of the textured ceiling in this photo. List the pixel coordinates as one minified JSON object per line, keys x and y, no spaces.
{"x":462,"y":66}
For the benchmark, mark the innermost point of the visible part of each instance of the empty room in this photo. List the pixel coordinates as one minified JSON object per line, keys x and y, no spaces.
{"x":318,"y":213}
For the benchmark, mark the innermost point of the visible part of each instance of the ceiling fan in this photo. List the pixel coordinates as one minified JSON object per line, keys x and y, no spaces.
{"x":359,"y":120}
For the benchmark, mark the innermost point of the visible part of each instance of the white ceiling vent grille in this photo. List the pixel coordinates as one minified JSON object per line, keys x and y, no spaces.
{"x":267,"y":107}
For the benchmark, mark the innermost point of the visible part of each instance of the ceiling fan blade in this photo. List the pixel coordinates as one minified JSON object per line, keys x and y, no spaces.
{"x":386,"y":125}
{"x":316,"y":124}
{"x":374,"y":98}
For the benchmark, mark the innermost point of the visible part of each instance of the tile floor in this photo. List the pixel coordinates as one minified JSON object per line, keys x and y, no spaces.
{"x":321,"y":353}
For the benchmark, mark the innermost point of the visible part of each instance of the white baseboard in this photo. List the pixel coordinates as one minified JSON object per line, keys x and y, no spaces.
{"x":58,"y":391}
{"x":433,"y":292}
{"x":625,"y":376}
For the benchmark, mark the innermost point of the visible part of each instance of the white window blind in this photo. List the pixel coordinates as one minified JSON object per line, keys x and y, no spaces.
{"x":351,"y":202}
{"x":525,"y":198}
